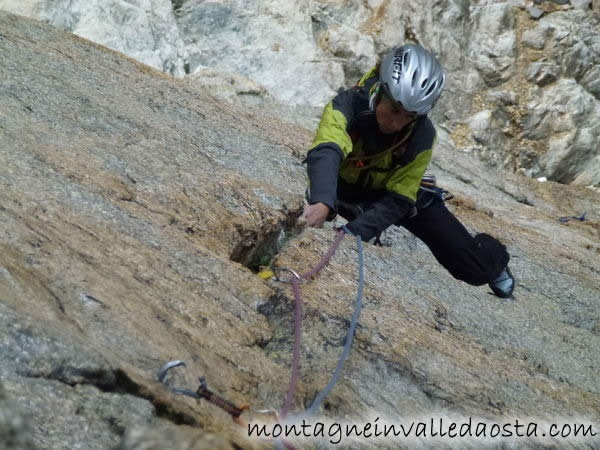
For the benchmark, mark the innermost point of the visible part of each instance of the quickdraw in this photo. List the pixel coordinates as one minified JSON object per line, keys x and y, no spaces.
{"x":202,"y":392}
{"x":219,"y":401}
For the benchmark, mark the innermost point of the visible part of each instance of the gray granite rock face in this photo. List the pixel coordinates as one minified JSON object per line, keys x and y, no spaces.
{"x":136,"y":208}
{"x":535,"y":13}
{"x":15,"y":431}
{"x":302,"y":53}
{"x":69,"y":393}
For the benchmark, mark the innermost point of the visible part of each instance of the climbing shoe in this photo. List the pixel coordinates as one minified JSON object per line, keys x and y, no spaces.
{"x":504,"y":285}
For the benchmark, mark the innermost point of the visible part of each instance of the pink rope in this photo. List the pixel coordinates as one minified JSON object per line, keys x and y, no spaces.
{"x":325,"y":260}
{"x":289,"y":398}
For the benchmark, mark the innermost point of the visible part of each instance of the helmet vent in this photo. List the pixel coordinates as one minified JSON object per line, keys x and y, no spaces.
{"x":412,"y":76}
{"x":431,"y":88}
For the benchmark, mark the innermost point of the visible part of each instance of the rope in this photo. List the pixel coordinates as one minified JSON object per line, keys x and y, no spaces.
{"x":349,"y":337}
{"x":282,"y":444}
{"x":296,"y":358}
{"x":298,"y":329}
{"x":325,"y":260}
{"x":298,"y":321}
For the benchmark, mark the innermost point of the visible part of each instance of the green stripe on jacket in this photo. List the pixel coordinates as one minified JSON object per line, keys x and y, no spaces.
{"x":407,"y":179}
{"x":332,"y":129}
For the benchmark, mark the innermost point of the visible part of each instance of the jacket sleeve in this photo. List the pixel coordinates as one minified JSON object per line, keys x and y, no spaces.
{"x":323,"y":167}
{"x":331,"y":144}
{"x":386,"y":211}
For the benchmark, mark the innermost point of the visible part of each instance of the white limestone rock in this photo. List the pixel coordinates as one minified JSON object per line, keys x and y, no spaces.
{"x":142,"y":29}
{"x":536,"y":37}
{"x":591,"y":81}
{"x":227,"y":85}
{"x":27,"y":8}
{"x":493,"y":50}
{"x":542,"y":73}
{"x":269,"y":42}
{"x":566,"y":115}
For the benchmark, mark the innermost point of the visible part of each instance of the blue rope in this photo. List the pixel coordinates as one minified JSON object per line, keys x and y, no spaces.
{"x":349,"y":337}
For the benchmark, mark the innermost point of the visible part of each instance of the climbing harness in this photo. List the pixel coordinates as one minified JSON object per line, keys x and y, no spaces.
{"x":201,"y":392}
{"x":429,"y":184}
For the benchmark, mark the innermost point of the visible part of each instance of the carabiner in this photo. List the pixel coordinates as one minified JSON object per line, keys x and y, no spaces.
{"x":295,"y":276}
{"x":162,"y":377}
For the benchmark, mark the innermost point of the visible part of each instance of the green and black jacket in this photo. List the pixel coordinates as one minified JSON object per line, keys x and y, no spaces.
{"x":349,"y":148}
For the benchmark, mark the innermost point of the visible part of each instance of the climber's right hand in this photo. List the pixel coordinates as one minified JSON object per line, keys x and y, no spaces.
{"x":315,"y":215}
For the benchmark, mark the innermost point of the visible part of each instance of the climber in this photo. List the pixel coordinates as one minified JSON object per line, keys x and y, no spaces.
{"x":368,"y":159}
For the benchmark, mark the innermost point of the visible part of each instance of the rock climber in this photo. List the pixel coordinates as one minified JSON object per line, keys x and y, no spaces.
{"x":368,"y":161}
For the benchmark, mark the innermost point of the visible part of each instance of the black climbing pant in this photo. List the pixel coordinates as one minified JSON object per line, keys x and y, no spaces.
{"x":476,"y":260}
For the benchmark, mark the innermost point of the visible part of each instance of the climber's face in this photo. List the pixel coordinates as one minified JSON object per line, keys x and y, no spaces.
{"x":391,"y":117}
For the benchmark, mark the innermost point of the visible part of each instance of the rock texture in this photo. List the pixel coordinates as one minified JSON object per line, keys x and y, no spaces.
{"x":143,"y":29}
{"x":135,"y":209}
{"x":302,"y":52}
{"x":14,"y":430}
